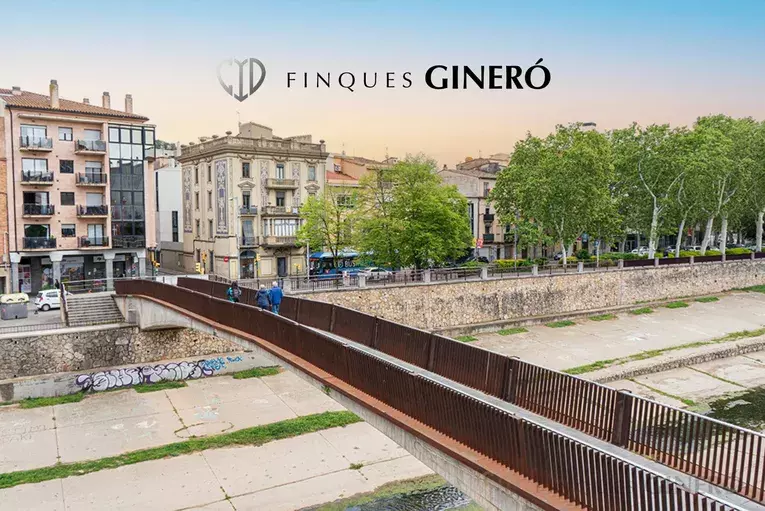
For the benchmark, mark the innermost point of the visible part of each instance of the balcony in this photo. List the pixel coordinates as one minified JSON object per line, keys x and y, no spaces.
{"x":248,"y":210}
{"x":43,"y":144}
{"x":91,"y":179}
{"x":280,"y":211}
{"x":90,"y":147}
{"x":488,"y":218}
{"x":88,"y":242}
{"x":39,"y":243}
{"x":281,"y":184}
{"x":249,"y":241}
{"x":129,"y":242}
{"x":37,"y":177}
{"x":39,"y":210}
{"x":280,"y":241}
{"x":93,"y":211}
{"x":488,"y":238}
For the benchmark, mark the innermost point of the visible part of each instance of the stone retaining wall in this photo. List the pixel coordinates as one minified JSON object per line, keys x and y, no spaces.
{"x":88,"y":348}
{"x":444,"y":305}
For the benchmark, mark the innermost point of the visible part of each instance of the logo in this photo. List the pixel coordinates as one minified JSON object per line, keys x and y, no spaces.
{"x":241,"y":94}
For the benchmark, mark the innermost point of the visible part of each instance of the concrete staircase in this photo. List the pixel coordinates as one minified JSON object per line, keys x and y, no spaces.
{"x":93,"y":309}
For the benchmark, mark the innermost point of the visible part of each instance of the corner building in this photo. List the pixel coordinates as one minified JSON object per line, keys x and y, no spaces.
{"x":79,"y":176}
{"x":241,"y":201}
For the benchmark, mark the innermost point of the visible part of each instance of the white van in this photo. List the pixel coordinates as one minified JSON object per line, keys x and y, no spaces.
{"x":49,"y":299}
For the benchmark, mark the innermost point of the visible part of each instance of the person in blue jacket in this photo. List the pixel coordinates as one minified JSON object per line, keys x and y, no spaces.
{"x":275,"y":295}
{"x":262,"y":299}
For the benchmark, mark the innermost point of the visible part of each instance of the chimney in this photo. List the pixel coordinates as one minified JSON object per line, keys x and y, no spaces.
{"x":129,"y":103}
{"x":16,"y":90}
{"x":86,"y":101}
{"x":54,"y":94}
{"x":106,"y":101}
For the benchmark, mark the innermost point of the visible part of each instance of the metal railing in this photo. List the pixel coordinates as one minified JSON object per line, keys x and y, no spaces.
{"x":38,"y":243}
{"x":124,"y":241}
{"x":90,"y":146}
{"x":249,"y":241}
{"x":43,"y":143}
{"x":92,"y":210}
{"x":272,"y":182}
{"x":89,"y":241}
{"x":37,"y":176}
{"x":568,"y":467}
{"x":280,"y":210}
{"x":89,"y":178}
{"x":248,"y":210}
{"x":39,"y":209}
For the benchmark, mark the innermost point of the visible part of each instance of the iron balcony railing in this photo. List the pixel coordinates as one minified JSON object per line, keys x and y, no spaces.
{"x":37,"y":176}
{"x":89,"y":178}
{"x":249,"y":241}
{"x":281,"y":183}
{"x":488,"y":238}
{"x":90,"y":146}
{"x":39,"y":243}
{"x":42,"y":143}
{"x":248,"y":210}
{"x":88,"y":241}
{"x":272,"y":241}
{"x":129,"y":242}
{"x":92,"y":210}
{"x":281,"y":210}
{"x":39,"y":209}
{"x":488,"y":218}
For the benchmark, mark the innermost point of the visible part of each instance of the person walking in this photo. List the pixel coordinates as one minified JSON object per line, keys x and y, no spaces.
{"x":275,"y":295}
{"x":262,"y":299}
{"x":234,"y":292}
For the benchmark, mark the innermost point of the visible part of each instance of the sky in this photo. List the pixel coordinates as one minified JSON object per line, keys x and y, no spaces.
{"x":612,"y":63}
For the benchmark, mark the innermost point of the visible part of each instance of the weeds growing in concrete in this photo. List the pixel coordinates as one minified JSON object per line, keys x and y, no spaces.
{"x":707,"y":299}
{"x":603,"y":317}
{"x":156,"y":387}
{"x":466,"y":338}
{"x":37,"y":402}
{"x":257,"y":372}
{"x":676,"y":305}
{"x":512,"y":331}
{"x":560,"y":324}
{"x":642,"y":310}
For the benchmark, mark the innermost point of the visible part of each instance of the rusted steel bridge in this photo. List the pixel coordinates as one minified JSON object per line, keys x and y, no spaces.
{"x":556,"y":440}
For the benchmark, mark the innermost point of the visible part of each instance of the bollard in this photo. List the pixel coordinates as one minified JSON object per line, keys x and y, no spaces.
{"x":484,"y":273}
{"x":287,"y":286}
{"x":656,"y":261}
{"x":580,"y":267}
{"x":362,"y":281}
{"x":426,"y":275}
{"x":691,"y":261}
{"x":535,"y":270}
{"x":621,"y":264}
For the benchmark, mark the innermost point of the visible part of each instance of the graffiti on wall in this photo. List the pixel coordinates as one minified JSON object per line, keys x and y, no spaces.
{"x":127,"y":377}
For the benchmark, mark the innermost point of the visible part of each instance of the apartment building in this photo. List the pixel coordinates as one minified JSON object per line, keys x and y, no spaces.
{"x":80,"y":188}
{"x":169,"y":207}
{"x":241,"y":201}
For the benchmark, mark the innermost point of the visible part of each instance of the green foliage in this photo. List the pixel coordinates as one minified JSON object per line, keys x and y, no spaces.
{"x":408,"y":217}
{"x":708,"y":299}
{"x":36,"y":402}
{"x":512,"y":331}
{"x":737,"y":251}
{"x":466,"y":338}
{"x":560,"y":324}
{"x":156,"y":387}
{"x":642,"y":310}
{"x":505,"y":264}
{"x":603,"y":317}
{"x":474,"y":264}
{"x":676,"y":305}
{"x":583,"y":255}
{"x":327,"y":221}
{"x":257,"y":372}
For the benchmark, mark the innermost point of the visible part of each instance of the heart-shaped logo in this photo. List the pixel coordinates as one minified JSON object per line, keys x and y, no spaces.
{"x":242,"y":93}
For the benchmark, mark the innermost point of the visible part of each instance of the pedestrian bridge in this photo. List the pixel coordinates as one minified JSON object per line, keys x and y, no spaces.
{"x":510,"y":434}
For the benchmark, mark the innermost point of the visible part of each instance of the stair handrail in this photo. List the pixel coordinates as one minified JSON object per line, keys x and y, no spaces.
{"x":64,"y":304}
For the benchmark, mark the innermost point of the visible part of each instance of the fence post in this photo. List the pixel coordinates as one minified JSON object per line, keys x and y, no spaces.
{"x":426,"y":274}
{"x":655,"y":262}
{"x":484,"y":273}
{"x":362,"y":280}
{"x":692,"y":260}
{"x":512,"y":380}
{"x":332,"y":319}
{"x":751,"y":256}
{"x":432,"y":351}
{"x":622,"y":418}
{"x":374,"y":336}
{"x":580,"y":267}
{"x":535,"y":270}
{"x":621,"y":264}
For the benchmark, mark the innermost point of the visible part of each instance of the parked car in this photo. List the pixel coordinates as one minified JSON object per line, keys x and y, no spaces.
{"x":49,"y":299}
{"x":692,"y":248}
{"x":376,"y":273}
{"x":640,"y":251}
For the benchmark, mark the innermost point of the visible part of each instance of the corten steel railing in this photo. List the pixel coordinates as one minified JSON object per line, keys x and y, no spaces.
{"x":730,"y":457}
{"x":577,"y":472}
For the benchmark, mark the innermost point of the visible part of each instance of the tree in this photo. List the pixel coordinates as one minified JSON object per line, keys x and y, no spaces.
{"x":757,"y":179}
{"x":560,"y":182}
{"x":408,"y":217}
{"x":327,"y":221}
{"x":647,"y":159}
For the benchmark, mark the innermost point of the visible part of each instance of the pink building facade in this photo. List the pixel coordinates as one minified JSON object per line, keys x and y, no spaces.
{"x":80,"y":189}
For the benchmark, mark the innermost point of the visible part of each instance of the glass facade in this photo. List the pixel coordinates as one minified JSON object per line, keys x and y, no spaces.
{"x":128,"y":146}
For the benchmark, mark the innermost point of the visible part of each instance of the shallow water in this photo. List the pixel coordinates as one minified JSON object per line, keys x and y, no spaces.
{"x":437,"y":499}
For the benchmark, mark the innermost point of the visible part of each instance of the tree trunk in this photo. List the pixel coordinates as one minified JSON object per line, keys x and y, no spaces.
{"x":707,"y":235}
{"x":563,"y":248}
{"x":760,"y":214}
{"x":637,"y":240}
{"x":723,"y":233}
{"x":623,"y":245}
{"x":653,"y":234}
{"x":680,"y":232}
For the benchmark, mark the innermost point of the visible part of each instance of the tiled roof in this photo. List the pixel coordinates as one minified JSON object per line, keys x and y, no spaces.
{"x":339,"y":177}
{"x":472,"y":173}
{"x":36,"y":101}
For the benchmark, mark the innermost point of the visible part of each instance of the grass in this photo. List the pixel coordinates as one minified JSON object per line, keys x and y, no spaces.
{"x":686,"y":402}
{"x":642,"y":310}
{"x":643,"y":355}
{"x":603,"y":317}
{"x":257,"y":372}
{"x":748,"y":410}
{"x":756,"y":289}
{"x":155,"y":387}
{"x":37,"y":402}
{"x":466,"y":338}
{"x":258,"y":435}
{"x":676,"y":305}
{"x":707,"y":299}
{"x":356,"y":466}
{"x":560,"y":324}
{"x":391,"y":491}
{"x":512,"y":331}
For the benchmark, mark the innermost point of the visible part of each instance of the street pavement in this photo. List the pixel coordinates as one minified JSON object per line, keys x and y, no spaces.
{"x":589,"y":341}
{"x":282,"y":475}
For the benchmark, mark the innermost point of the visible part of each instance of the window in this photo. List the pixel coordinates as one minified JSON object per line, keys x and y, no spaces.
{"x":209,"y":229}
{"x":174,"y":215}
{"x":33,"y":132}
{"x":66,"y":166}
{"x":280,"y":171}
{"x":312,"y":173}
{"x":280,"y":199}
{"x":209,"y":200}
{"x":34,"y":165}
{"x":65,"y":134}
{"x":92,"y":135}
{"x":246,"y":200}
{"x":209,"y":173}
{"x":285,"y":226}
{"x":197,"y":254}
{"x":196,"y":200}
{"x":126,"y":177}
{"x":245,"y":169}
{"x":93,"y":168}
{"x":345,"y":201}
{"x":197,"y":227}
{"x":67,"y":198}
{"x":68,"y":231}
{"x":96,"y":231}
{"x":196,"y":175}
